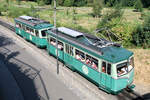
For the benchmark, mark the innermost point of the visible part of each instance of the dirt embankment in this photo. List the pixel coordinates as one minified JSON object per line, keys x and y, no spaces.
{"x":142,"y":66}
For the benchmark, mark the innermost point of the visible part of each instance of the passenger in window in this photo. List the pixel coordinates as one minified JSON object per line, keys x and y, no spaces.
{"x":17,"y":25}
{"x":103,"y":69}
{"x":94,"y":65}
{"x":88,"y":61}
{"x":82,"y":59}
{"x":53,"y":43}
{"x":60,"y":47}
{"x":78,"y":57}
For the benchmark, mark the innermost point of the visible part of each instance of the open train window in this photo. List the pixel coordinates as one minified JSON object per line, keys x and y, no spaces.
{"x":43,"y":33}
{"x":92,"y":62}
{"x":27,"y":29}
{"x":104,"y":67}
{"x":122,"y":69}
{"x":53,"y":41}
{"x":60,"y":45}
{"x":79,"y":55}
{"x":32,"y":31}
{"x":17,"y":25}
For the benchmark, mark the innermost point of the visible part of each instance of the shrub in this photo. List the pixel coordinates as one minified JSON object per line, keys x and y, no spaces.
{"x":97,"y":7}
{"x":141,"y":36}
{"x":68,"y":3}
{"x":16,"y":12}
{"x":138,"y":6}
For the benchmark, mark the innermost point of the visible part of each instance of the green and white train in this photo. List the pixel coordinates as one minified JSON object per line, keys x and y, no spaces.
{"x":33,"y":29}
{"x":102,"y":62}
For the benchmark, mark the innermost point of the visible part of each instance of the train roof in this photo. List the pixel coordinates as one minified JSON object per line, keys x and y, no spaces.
{"x":98,"y":47}
{"x":33,"y":22}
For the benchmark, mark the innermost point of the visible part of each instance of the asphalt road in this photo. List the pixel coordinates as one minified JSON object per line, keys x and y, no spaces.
{"x":34,"y":80}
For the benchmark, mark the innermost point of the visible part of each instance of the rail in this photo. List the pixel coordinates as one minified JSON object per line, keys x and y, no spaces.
{"x":10,"y":27}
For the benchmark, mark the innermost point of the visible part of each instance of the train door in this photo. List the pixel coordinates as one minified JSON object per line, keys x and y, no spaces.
{"x":37,"y":37}
{"x":106,"y":75}
{"x":68,"y":56}
{"x":60,"y":50}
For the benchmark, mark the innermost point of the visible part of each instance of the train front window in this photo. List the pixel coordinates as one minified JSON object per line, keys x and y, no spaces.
{"x":125,"y":67}
{"x":122,"y":69}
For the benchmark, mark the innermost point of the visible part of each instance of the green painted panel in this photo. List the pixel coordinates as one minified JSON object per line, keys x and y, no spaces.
{"x":87,"y":71}
{"x":119,"y":84}
{"x":52,"y":50}
{"x":131,"y":76}
{"x":68,"y":59}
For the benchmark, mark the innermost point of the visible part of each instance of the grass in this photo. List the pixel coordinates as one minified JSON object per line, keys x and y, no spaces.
{"x":142,"y":66}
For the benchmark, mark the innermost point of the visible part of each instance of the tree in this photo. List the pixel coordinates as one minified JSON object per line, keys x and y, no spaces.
{"x":61,"y":2}
{"x":18,"y":1}
{"x":141,"y":36}
{"x":138,"y":6}
{"x":68,"y":3}
{"x":7,"y":1}
{"x":146,"y":3}
{"x":79,"y":3}
{"x":97,"y":7}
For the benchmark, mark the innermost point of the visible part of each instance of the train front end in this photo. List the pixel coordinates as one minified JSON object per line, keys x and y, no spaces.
{"x":124,"y":75}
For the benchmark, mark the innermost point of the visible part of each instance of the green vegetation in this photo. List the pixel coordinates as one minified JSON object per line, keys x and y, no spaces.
{"x":115,"y":19}
{"x":141,"y":36}
{"x":138,"y":5}
{"x":97,"y":7}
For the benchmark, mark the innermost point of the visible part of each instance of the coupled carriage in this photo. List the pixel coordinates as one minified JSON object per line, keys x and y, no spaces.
{"x":102,"y":62}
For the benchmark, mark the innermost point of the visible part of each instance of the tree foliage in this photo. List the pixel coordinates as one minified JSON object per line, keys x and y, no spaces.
{"x":138,"y":5}
{"x":68,"y":3}
{"x":97,"y":7}
{"x":141,"y":36}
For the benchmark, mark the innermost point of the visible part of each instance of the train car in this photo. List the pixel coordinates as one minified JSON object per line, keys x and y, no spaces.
{"x":104,"y":63}
{"x":33,"y":29}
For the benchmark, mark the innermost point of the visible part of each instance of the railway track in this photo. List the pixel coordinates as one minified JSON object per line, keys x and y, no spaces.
{"x":132,"y":95}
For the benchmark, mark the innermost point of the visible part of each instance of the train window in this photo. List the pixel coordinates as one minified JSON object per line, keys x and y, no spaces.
{"x":23,"y":27}
{"x":69,"y":49}
{"x":104,"y":67}
{"x":27,"y":29}
{"x":17,"y":25}
{"x":43,"y":33}
{"x":37,"y":33}
{"x":109,"y":69}
{"x":80,"y":55}
{"x":32,"y":31}
{"x":122,"y":69}
{"x":53,"y":41}
{"x":91,"y":62}
{"x":60,"y":45}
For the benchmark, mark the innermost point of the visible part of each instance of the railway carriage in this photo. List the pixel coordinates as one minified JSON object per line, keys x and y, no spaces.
{"x":33,"y":29}
{"x":104,"y":63}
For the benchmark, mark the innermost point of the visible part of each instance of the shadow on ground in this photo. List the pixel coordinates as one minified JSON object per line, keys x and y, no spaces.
{"x":24,"y":74}
{"x":132,"y":95}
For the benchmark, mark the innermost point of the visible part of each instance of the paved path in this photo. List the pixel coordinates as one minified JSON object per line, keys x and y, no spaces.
{"x":34,"y":80}
{"x":9,"y":89}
